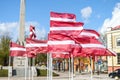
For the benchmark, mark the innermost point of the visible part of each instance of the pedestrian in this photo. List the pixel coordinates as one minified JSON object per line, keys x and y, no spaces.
{"x":58,"y":63}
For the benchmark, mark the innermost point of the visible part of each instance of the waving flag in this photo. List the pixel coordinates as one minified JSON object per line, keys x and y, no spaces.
{"x":34,"y":46}
{"x":59,"y":43}
{"x":89,"y":33}
{"x":66,"y":28}
{"x":17,"y":50}
{"x":32,"y":32}
{"x":76,"y":51}
{"x":64,"y":23}
{"x":93,"y":48}
{"x":110,"y":53}
{"x":65,"y":17}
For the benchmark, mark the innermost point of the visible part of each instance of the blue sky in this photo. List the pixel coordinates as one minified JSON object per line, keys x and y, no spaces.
{"x":96,"y":14}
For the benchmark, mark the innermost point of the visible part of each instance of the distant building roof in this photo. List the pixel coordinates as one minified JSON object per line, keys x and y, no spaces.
{"x":117,"y":27}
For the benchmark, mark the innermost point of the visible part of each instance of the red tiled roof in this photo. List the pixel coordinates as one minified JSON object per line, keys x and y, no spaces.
{"x":117,"y":27}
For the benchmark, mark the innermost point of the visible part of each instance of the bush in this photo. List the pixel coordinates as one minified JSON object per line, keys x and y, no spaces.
{"x":3,"y":73}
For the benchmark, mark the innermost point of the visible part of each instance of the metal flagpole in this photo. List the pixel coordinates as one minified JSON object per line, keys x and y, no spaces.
{"x":29,"y":69}
{"x":91,"y":68}
{"x":50,"y":66}
{"x":47,"y":66}
{"x":25,"y":68}
{"x":33,"y":64}
{"x":9,"y":68}
{"x":69,"y":70}
{"x":72,"y":67}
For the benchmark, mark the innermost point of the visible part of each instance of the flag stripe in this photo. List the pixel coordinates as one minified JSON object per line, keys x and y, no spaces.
{"x":66,"y":28}
{"x":61,"y":42}
{"x":90,"y":34}
{"x":65,"y":17}
{"x":36,"y":45}
{"x":92,"y":45}
{"x":62,"y":19}
{"x":17,"y":49}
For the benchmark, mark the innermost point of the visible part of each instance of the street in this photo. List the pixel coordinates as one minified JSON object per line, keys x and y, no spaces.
{"x":65,"y":76}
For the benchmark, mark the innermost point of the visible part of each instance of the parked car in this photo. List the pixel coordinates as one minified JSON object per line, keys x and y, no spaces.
{"x":115,"y":74}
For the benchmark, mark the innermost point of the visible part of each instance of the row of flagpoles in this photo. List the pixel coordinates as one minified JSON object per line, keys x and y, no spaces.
{"x":67,"y":38}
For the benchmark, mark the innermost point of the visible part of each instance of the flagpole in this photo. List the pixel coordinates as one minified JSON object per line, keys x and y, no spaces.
{"x":47,"y":66}
{"x":29,"y":67}
{"x":25,"y":68}
{"x":69,"y":70}
{"x":50,"y":66}
{"x":33,"y":65}
{"x":9,"y":62}
{"x":91,"y":78}
{"x":9,"y":68}
{"x":72,"y":66}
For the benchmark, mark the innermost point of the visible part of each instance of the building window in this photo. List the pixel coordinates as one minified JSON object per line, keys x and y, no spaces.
{"x":118,"y":58}
{"x":118,"y":41}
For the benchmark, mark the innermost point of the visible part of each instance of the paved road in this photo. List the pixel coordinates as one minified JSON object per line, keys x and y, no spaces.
{"x":65,"y":76}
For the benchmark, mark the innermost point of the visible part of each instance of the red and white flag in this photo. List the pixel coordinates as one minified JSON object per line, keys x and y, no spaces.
{"x":93,"y":48}
{"x":32,"y":32}
{"x":110,"y":53}
{"x":66,"y":28}
{"x":76,"y":51}
{"x":17,"y":50}
{"x":89,"y":33}
{"x":65,"y":17}
{"x":59,"y":43}
{"x":34,"y":46}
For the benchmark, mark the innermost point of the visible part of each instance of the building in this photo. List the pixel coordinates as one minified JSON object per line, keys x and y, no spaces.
{"x":113,"y":43}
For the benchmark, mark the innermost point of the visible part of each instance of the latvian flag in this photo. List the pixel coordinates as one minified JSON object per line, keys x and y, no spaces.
{"x":34,"y":46}
{"x":58,"y":43}
{"x":66,"y":28}
{"x":65,"y":23}
{"x":17,"y":50}
{"x":32,"y":32}
{"x":65,"y":17}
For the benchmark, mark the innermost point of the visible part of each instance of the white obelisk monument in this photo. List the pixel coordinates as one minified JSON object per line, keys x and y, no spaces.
{"x":22,"y":23}
{"x":20,"y":63}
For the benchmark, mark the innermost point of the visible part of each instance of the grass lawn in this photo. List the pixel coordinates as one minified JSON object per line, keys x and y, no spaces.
{"x":3,"y":73}
{"x":44,"y":73}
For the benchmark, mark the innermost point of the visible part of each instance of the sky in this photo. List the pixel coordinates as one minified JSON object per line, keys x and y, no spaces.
{"x":95,"y":14}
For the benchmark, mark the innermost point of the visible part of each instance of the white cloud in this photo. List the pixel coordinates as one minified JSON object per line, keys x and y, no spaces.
{"x":9,"y":28}
{"x":114,"y":21}
{"x":86,"y":12}
{"x":12,"y":29}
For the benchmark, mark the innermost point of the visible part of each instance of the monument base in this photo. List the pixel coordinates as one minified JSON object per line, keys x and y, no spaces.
{"x":21,"y":68}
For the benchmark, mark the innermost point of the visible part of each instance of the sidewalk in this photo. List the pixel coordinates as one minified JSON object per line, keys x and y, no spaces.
{"x":65,"y":76}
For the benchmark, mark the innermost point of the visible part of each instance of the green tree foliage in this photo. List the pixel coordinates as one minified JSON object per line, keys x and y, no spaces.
{"x":41,"y":58}
{"x":4,"y":50}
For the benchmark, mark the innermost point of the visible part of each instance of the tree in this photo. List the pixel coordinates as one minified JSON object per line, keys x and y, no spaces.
{"x":41,"y":58}
{"x":4,"y":50}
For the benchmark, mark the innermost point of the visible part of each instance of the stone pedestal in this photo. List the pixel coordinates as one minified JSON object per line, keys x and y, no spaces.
{"x":20,"y":62}
{"x":20,"y":66}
